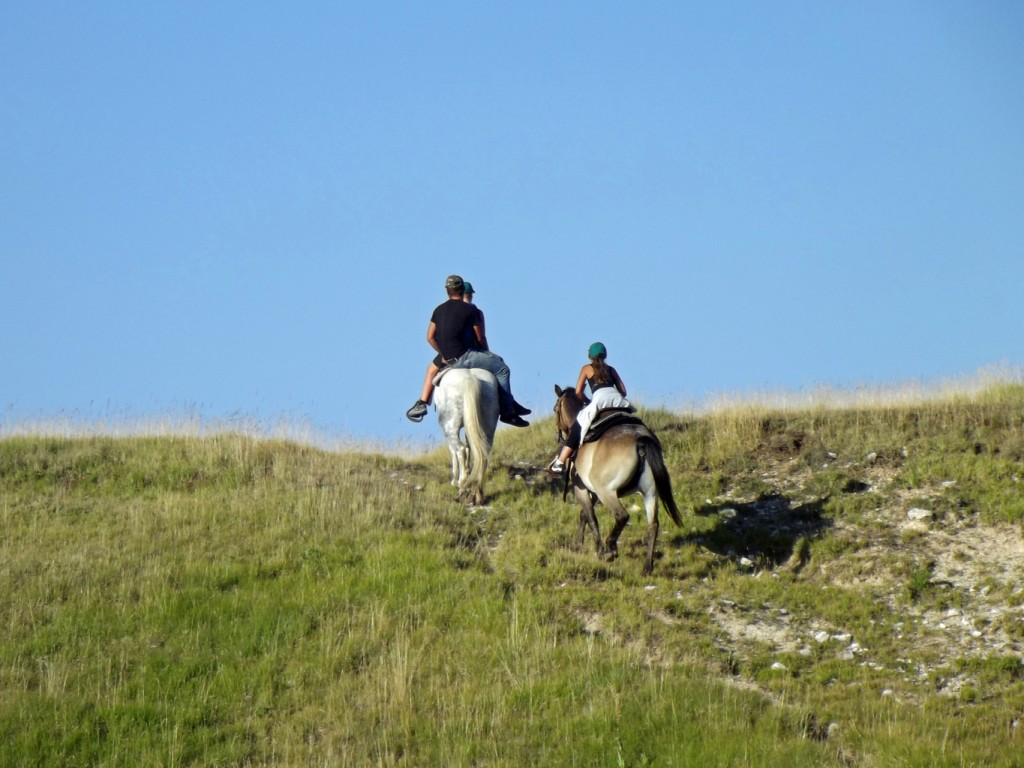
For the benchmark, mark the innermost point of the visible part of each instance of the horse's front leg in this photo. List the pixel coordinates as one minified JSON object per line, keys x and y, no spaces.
{"x":621,"y":519}
{"x":588,"y":518}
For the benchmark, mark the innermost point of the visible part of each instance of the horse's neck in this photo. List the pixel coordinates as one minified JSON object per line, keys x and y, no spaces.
{"x":573,"y":406}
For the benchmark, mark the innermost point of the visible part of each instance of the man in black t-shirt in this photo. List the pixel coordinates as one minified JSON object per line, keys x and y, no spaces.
{"x":417,"y":412}
{"x":456,"y":333}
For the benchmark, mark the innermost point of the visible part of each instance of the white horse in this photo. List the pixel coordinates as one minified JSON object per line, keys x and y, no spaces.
{"x":467,"y":401}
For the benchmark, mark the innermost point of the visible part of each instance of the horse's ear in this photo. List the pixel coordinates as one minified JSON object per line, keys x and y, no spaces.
{"x":558,"y":391}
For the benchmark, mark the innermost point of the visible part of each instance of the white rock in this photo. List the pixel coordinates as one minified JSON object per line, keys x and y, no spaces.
{"x":948,"y":483}
{"x":746,"y":562}
{"x":887,"y":692}
{"x":821,"y":637}
{"x":778,"y":665}
{"x":920,"y":514}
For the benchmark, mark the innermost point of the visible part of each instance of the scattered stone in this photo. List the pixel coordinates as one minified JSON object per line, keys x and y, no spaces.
{"x":780,"y":666}
{"x":888,"y":692}
{"x":948,"y":483}
{"x":746,"y":562}
{"x":821,"y":637}
{"x":871,"y":458}
{"x":728,"y":513}
{"x":920,"y":514}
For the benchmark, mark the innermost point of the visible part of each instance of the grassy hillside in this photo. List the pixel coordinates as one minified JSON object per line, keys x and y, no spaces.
{"x":847,"y":590}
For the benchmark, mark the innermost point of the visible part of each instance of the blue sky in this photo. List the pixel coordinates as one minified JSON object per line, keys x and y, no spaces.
{"x":249,"y":209}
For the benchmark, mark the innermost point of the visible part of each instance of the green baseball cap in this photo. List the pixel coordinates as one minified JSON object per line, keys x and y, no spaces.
{"x":597,"y":350}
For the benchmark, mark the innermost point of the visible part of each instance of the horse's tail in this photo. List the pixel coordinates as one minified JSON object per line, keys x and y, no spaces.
{"x":651,"y":450}
{"x":476,"y":435}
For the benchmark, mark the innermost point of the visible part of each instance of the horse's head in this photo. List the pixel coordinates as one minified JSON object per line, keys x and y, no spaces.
{"x":567,"y":407}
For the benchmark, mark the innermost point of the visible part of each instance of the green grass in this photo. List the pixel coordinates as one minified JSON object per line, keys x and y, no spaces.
{"x":227,"y":601}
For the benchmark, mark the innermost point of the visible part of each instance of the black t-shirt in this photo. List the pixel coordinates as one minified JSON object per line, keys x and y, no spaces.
{"x":454,"y":321}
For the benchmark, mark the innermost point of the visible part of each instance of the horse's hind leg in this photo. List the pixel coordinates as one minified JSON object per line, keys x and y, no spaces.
{"x":648,"y":488}
{"x":651,"y":504}
{"x":457,"y":461}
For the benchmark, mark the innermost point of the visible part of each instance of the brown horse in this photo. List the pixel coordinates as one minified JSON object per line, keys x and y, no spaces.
{"x":623,"y":460}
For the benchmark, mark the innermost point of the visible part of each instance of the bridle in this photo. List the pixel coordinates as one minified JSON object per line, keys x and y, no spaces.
{"x":560,"y":415}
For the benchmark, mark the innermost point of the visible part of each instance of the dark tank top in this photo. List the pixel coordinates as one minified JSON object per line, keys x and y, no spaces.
{"x":600,"y":382}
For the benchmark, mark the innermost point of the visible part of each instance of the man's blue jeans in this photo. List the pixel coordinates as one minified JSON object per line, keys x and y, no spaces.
{"x":491,"y":362}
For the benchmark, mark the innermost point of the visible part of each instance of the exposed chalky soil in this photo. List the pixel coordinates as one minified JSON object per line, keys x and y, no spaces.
{"x":948,"y":589}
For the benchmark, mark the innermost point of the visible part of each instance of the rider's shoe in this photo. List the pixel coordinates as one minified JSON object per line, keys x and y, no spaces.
{"x":514,"y":419}
{"x":417,"y":412}
{"x":522,"y":410}
{"x":556,"y":468}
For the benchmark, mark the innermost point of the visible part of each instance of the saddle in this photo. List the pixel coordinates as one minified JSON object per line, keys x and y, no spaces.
{"x":440,"y":374}
{"x":612,"y":417}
